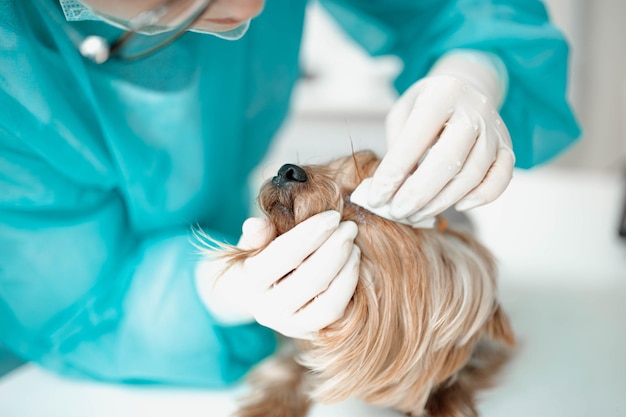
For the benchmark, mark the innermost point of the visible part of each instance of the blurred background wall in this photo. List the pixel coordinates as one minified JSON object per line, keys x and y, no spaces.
{"x":597,"y":33}
{"x":347,"y":94}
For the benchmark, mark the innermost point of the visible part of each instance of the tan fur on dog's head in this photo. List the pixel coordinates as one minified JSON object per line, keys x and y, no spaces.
{"x":421,"y":332}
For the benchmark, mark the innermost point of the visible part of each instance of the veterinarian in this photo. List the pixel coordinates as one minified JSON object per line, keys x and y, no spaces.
{"x":107,"y":161}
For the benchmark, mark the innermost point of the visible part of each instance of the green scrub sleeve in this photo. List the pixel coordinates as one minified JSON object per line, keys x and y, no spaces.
{"x":535,"y":53}
{"x":83,"y":295}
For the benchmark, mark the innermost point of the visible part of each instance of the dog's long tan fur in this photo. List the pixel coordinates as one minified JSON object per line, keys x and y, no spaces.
{"x":423,"y":331}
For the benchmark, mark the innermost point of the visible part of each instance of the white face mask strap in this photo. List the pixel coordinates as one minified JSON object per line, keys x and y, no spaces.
{"x":229,"y":35}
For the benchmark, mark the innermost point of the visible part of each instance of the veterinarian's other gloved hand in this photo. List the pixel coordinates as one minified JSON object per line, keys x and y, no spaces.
{"x":447,"y":125}
{"x":300,"y":283}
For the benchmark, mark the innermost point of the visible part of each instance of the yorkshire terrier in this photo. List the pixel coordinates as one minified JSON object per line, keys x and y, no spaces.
{"x":424,"y":329}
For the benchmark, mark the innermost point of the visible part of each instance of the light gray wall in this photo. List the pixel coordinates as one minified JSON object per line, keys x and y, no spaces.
{"x":597,"y":33}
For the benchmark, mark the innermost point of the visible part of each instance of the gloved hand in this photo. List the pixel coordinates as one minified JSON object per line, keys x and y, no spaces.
{"x":446,"y":141}
{"x":300,"y":283}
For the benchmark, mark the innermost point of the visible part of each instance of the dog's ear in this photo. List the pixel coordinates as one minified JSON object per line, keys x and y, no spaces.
{"x":499,"y":327}
{"x":368,"y":162}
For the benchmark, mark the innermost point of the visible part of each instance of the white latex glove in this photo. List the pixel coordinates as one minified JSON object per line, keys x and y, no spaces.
{"x":446,"y":141}
{"x":299,"y":284}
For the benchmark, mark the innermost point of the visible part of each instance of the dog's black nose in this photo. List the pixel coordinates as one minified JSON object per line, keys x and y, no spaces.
{"x":289,"y":173}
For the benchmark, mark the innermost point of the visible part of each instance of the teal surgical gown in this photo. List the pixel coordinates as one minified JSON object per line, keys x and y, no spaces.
{"x":105,"y":168}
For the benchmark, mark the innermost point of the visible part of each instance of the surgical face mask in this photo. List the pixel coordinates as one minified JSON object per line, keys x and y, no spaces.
{"x":75,"y":11}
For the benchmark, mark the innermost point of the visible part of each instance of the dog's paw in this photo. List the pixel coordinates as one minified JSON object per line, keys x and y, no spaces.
{"x":276,"y":404}
{"x":276,"y":390}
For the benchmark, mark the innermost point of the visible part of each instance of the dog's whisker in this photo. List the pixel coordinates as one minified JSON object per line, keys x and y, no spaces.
{"x":359,"y":176}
